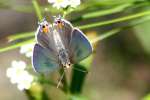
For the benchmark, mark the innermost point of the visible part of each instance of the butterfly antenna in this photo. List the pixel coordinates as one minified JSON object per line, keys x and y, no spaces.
{"x":59,"y":16}
{"x":78,"y":69}
{"x":61,"y":79}
{"x":54,"y":17}
{"x":44,"y":19}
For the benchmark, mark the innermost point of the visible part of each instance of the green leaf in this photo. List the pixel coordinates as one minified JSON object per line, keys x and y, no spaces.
{"x":29,"y":95}
{"x":78,"y":78}
{"x":87,"y":62}
{"x":79,"y":73}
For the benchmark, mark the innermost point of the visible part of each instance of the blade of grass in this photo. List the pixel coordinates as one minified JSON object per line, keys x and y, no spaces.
{"x":15,"y":37}
{"x":117,"y":30}
{"x":106,"y":12}
{"x":20,"y":36}
{"x":37,"y":9}
{"x":16,"y":45}
{"x":106,"y":35}
{"x":112,"y":21}
{"x":102,"y":12}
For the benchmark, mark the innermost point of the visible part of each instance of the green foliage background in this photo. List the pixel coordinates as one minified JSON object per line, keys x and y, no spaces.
{"x":118,"y":15}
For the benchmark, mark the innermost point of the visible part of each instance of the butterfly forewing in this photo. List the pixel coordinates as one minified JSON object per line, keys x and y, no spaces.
{"x":41,"y":38}
{"x":65,"y":32}
{"x":46,"y":39}
{"x":43,"y":60}
{"x":80,"y":47}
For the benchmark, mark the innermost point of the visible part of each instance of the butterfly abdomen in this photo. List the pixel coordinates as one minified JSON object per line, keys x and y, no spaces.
{"x":61,"y":50}
{"x":64,"y":58}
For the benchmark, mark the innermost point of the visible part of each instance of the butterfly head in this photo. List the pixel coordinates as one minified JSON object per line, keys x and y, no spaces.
{"x":59,"y":22}
{"x":44,"y":26}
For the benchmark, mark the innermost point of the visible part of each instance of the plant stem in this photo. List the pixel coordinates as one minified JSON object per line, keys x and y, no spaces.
{"x":114,"y":31}
{"x":78,"y":78}
{"x":16,"y":45}
{"x":20,"y":36}
{"x":29,"y":95}
{"x":106,"y":35}
{"x":105,"y":12}
{"x":37,"y":9}
{"x":115,"y":20}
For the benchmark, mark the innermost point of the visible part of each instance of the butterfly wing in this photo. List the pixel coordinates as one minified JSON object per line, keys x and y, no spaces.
{"x":65,"y":32}
{"x":80,"y":47}
{"x":43,"y":60}
{"x":46,"y":39}
{"x":41,"y":39}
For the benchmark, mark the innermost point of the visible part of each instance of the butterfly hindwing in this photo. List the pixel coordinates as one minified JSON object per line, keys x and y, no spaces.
{"x":43,"y":60}
{"x":80,"y":47}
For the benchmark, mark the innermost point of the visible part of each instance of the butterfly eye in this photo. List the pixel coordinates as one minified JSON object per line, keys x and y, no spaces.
{"x":43,"y":26}
{"x":58,"y":22}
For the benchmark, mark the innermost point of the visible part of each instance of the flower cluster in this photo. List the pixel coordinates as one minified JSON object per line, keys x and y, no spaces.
{"x":18,"y":75}
{"x":64,"y":3}
{"x":27,"y":49}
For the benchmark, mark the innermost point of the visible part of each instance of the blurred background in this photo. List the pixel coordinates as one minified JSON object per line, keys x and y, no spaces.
{"x":119,"y":31}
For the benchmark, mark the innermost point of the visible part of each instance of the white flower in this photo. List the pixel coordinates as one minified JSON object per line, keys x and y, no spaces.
{"x":74,"y":3}
{"x":59,"y":3}
{"x":64,"y":3}
{"x":27,"y":49}
{"x":18,"y":75}
{"x":25,"y":80}
{"x":15,"y":70}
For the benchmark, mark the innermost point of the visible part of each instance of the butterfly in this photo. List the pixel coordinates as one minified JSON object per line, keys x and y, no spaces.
{"x":59,"y":45}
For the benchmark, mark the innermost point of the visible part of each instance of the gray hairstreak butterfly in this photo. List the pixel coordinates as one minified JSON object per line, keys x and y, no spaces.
{"x":59,"y":45}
